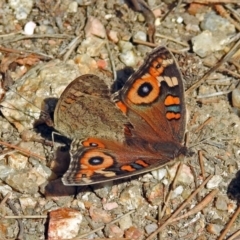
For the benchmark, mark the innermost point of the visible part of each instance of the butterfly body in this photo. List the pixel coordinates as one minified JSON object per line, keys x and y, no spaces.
{"x":140,"y":128}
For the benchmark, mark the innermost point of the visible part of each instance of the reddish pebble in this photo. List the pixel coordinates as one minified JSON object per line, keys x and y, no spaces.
{"x":134,"y":233}
{"x":102,"y":64}
{"x":64,"y":223}
{"x":94,"y":27}
{"x":99,"y":215}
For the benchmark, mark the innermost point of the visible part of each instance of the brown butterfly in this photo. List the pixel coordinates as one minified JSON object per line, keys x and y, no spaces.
{"x":142,"y":127}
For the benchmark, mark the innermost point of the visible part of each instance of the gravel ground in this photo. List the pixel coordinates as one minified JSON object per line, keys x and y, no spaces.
{"x":44,"y":45}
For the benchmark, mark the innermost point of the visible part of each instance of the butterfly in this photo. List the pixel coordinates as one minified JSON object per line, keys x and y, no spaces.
{"x":138,"y":128}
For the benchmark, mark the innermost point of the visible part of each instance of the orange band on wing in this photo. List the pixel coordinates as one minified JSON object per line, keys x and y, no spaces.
{"x":141,"y":163}
{"x":128,"y":168}
{"x":171,"y":115}
{"x":122,"y":107}
{"x":170,"y":100}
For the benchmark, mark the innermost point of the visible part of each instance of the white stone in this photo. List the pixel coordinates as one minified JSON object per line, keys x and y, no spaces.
{"x":21,"y":8}
{"x":29,"y":28}
{"x":73,"y":7}
{"x":140,"y":35}
{"x":159,"y":174}
{"x":214,"y":182}
{"x":128,"y":58}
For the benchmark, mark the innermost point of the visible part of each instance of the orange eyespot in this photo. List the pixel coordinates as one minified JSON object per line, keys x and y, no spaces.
{"x":95,"y":160}
{"x":156,"y":68}
{"x":93,"y":142}
{"x":144,"y":90}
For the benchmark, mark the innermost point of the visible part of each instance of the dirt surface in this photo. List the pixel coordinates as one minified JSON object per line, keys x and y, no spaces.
{"x":40,"y":66}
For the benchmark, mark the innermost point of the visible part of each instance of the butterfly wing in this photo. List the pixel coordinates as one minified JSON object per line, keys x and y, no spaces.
{"x":84,"y":109}
{"x":153,"y":100}
{"x":99,"y":160}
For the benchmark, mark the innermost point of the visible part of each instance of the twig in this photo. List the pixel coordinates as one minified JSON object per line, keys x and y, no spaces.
{"x":184,"y":204}
{"x":230,"y":223}
{"x":235,"y":235}
{"x":24,"y":151}
{"x":199,"y":206}
{"x":4,"y":201}
{"x":221,"y":10}
{"x":234,"y":13}
{"x":222,"y":69}
{"x":172,"y":39}
{"x":69,"y":49}
{"x":41,"y":56}
{"x":19,"y":38}
{"x":214,"y":94}
{"x":21,"y":227}
{"x":26,"y":217}
{"x":149,"y":44}
{"x":201,"y":163}
{"x":110,"y":58}
{"x":203,"y":124}
{"x":223,"y":60}
{"x":171,"y":189}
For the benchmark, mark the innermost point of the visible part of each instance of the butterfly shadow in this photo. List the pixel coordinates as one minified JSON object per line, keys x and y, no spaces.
{"x":233,"y":190}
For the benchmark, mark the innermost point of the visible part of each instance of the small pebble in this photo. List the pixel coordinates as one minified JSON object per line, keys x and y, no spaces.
{"x":92,"y":46}
{"x":131,"y":198}
{"x":155,"y":194}
{"x":236,"y":98}
{"x":29,"y":28}
{"x":134,"y":233}
{"x":73,"y":7}
{"x":24,"y":181}
{"x":21,"y":8}
{"x":151,"y":3}
{"x":128,"y":58}
{"x":64,"y":223}
{"x":185,"y":175}
{"x":125,"y":46}
{"x":113,"y":231}
{"x":214,"y":229}
{"x":27,"y":202}
{"x":207,"y":42}
{"x":159,"y":174}
{"x":221,"y":203}
{"x":151,"y":228}
{"x":216,"y":23}
{"x":157,"y":13}
{"x":99,"y":215}
{"x":17,"y":161}
{"x":179,"y":20}
{"x":113,"y":36}
{"x":214,"y":182}
{"x":140,"y":36}
{"x":94,"y":27}
{"x":125,"y":222}
{"x":177,"y":191}
{"x":110,"y":206}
